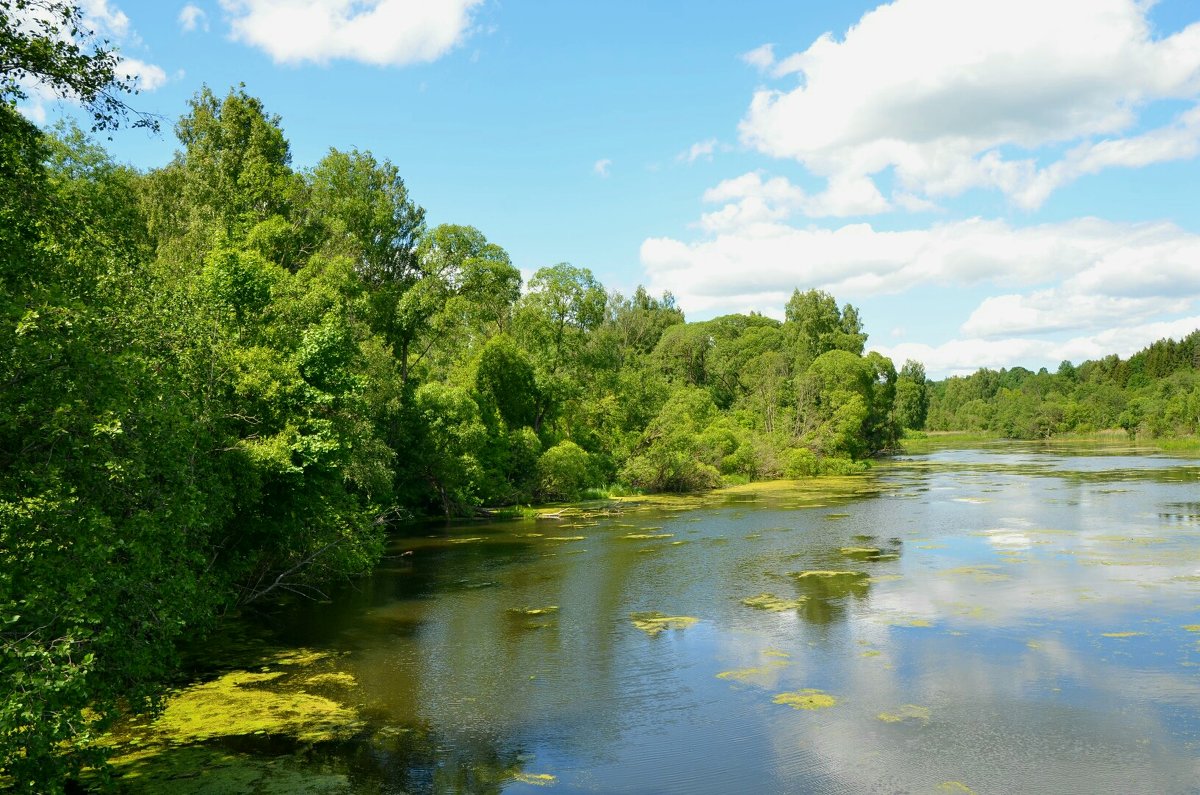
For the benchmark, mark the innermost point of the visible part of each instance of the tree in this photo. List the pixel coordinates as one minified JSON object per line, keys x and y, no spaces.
{"x":48,"y":42}
{"x":817,"y":326}
{"x":912,"y":396}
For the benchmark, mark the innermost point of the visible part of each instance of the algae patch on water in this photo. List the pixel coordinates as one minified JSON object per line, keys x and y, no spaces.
{"x":806,"y":699}
{"x":232,"y":705}
{"x":750,"y":674}
{"x":906,"y":713}
{"x":537,"y":779}
{"x":340,"y":678}
{"x":1120,"y":634}
{"x":533,"y":611}
{"x":955,"y":786}
{"x":772,"y":603}
{"x":647,"y":536}
{"x":653,"y":622}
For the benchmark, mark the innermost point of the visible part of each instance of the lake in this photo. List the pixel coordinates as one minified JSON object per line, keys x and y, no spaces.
{"x":1011,"y":618}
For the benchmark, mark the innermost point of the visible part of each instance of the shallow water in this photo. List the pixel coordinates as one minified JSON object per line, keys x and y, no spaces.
{"x":1022,"y":621}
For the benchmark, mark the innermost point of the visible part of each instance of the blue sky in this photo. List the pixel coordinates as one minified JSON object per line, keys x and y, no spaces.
{"x":994,"y":182}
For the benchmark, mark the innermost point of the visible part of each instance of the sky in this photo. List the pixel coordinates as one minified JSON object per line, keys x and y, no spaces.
{"x":994,"y":183}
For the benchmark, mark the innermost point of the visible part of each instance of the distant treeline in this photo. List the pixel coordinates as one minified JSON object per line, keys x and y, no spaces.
{"x":225,"y":378}
{"x":1155,"y":393}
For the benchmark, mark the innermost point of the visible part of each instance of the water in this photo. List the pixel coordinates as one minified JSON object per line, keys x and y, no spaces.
{"x":1029,"y":623}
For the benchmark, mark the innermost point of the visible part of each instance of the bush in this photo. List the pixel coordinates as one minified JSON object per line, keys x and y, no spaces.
{"x":563,"y":472}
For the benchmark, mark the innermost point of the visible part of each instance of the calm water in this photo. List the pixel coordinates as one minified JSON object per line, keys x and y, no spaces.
{"x":1029,"y":623}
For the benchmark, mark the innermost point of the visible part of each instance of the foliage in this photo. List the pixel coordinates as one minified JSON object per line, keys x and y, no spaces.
{"x":1154,"y":394}
{"x":48,"y":43}
{"x":224,"y":378}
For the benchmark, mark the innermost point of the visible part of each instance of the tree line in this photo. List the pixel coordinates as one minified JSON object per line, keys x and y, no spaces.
{"x":1155,"y":393}
{"x":226,"y":378}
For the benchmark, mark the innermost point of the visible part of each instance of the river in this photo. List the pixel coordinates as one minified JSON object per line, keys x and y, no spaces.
{"x":1011,"y":618}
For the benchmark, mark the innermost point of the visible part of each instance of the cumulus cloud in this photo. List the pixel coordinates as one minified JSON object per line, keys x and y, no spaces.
{"x":1075,"y":276}
{"x":776,"y":198}
{"x":701,"y":150}
{"x":379,"y":32}
{"x":951,"y":96}
{"x":601,"y":167}
{"x":965,"y":356}
{"x":192,"y":18}
{"x":761,"y":58}
{"x":144,"y":76}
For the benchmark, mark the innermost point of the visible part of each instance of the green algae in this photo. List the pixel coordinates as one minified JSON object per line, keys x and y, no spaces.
{"x":806,"y":699}
{"x":1191,"y":627}
{"x":653,"y":622}
{"x":871,"y":653}
{"x":532,"y":611}
{"x":860,"y":552}
{"x":747,"y":675}
{"x":1120,"y":634}
{"x":981,"y":573}
{"x":828,"y":575}
{"x":537,"y":779}
{"x":907,"y":712}
{"x":230,"y":706}
{"x":955,"y":786}
{"x":199,"y":770}
{"x":772,"y":603}
{"x":646,"y":536}
{"x":340,"y":678}
{"x":566,"y":538}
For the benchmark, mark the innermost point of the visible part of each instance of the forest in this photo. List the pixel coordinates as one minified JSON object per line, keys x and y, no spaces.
{"x":1154,"y":394}
{"x":226,"y":379}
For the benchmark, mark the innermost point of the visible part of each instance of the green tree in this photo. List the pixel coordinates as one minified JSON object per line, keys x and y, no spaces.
{"x":912,"y":397}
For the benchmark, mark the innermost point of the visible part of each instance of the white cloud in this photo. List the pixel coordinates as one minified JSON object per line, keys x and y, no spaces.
{"x":944,"y":92}
{"x":106,"y":19}
{"x":144,"y":76}
{"x":1098,"y":267}
{"x":761,"y":58}
{"x":697,"y":151}
{"x":602,"y":166}
{"x":750,"y":196}
{"x":192,"y":18}
{"x":379,"y":32}
{"x":965,"y":356}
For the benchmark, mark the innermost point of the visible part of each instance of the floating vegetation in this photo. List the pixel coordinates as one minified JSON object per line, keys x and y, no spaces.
{"x":1120,"y":634}
{"x":532,"y":611}
{"x":955,"y":786}
{"x":837,"y":515}
{"x":981,"y":573}
{"x":871,"y":653}
{"x":783,"y":655}
{"x":340,"y":678}
{"x":653,"y":622}
{"x":972,"y":500}
{"x":750,"y":674}
{"x":566,"y":538}
{"x":828,"y":575}
{"x":231,"y":706}
{"x":906,"y":713}
{"x":537,"y":779}
{"x":806,"y":699}
{"x":647,"y":536}
{"x":860,"y":552}
{"x":1191,"y":627}
{"x":471,"y":540}
{"x":766,"y":601}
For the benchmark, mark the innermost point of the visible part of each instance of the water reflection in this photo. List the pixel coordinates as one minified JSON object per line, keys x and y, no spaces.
{"x":1004,"y":620}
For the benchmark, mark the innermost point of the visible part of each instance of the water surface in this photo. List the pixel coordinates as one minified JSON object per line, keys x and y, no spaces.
{"x":1009,"y":619}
